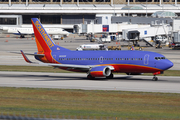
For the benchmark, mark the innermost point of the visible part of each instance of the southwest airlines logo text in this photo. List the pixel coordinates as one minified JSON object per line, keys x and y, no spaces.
{"x":44,"y":35}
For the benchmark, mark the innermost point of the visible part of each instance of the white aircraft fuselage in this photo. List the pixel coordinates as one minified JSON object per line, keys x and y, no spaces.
{"x":29,"y":31}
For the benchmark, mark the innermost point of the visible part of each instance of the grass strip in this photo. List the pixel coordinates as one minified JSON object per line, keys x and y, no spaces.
{"x":51,"y":69}
{"x":31,"y":69}
{"x":89,"y":104}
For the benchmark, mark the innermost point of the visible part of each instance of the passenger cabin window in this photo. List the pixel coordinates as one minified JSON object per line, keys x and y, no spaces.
{"x":90,"y":59}
{"x":130,"y":59}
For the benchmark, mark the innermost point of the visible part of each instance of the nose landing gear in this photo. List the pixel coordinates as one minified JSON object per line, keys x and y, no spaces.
{"x":156,"y":73}
{"x":155,"y":78}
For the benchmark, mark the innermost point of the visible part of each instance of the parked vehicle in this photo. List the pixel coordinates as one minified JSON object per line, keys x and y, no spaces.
{"x":91,"y":47}
{"x":105,"y":38}
{"x":162,"y":39}
{"x":57,"y":37}
{"x":135,"y":48}
{"x":114,"y":47}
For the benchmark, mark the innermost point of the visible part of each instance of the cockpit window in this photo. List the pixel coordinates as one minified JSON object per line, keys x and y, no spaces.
{"x":160,"y":58}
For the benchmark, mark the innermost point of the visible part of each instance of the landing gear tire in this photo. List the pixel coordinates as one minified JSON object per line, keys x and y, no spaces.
{"x":22,"y":36}
{"x":90,"y":77}
{"x":110,"y":76}
{"x":155,"y":78}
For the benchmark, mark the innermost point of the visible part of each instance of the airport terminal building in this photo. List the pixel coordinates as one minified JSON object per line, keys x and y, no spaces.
{"x":66,"y":13}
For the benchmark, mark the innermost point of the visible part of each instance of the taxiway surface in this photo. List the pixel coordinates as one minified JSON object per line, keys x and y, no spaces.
{"x":79,"y":81}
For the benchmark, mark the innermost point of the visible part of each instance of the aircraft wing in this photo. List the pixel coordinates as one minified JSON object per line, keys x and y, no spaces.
{"x":70,"y":66}
{"x":84,"y":68}
{"x":27,"y":53}
{"x":66,"y":66}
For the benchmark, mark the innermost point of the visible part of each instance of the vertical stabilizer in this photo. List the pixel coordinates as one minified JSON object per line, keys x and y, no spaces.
{"x":43,"y":41}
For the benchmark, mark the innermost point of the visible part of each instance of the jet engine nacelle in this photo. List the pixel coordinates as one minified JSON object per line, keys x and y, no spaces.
{"x":100,"y":71}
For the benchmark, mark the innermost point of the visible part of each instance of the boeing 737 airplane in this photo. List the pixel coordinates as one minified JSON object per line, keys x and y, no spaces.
{"x":96,"y":63}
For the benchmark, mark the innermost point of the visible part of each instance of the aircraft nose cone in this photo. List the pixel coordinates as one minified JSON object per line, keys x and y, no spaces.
{"x":169,"y":64}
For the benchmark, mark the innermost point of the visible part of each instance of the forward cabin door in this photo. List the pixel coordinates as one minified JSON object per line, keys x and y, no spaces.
{"x":146,"y":59}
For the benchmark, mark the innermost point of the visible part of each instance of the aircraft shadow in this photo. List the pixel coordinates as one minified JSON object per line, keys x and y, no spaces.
{"x":62,"y":78}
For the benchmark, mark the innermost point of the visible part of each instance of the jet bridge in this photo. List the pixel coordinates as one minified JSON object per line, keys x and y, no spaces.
{"x":148,"y":32}
{"x":107,"y":28}
{"x":133,"y":34}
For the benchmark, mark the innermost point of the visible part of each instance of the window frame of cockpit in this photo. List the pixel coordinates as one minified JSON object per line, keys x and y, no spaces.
{"x":159,"y":58}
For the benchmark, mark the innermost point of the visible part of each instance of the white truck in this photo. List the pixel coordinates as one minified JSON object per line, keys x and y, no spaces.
{"x":105,"y":38}
{"x":57,"y":37}
{"x":91,"y":47}
{"x":163,"y":39}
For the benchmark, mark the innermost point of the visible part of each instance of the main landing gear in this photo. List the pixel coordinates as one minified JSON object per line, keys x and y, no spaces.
{"x":110,"y":76}
{"x":22,"y":36}
{"x":155,"y":78}
{"x":90,"y":77}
